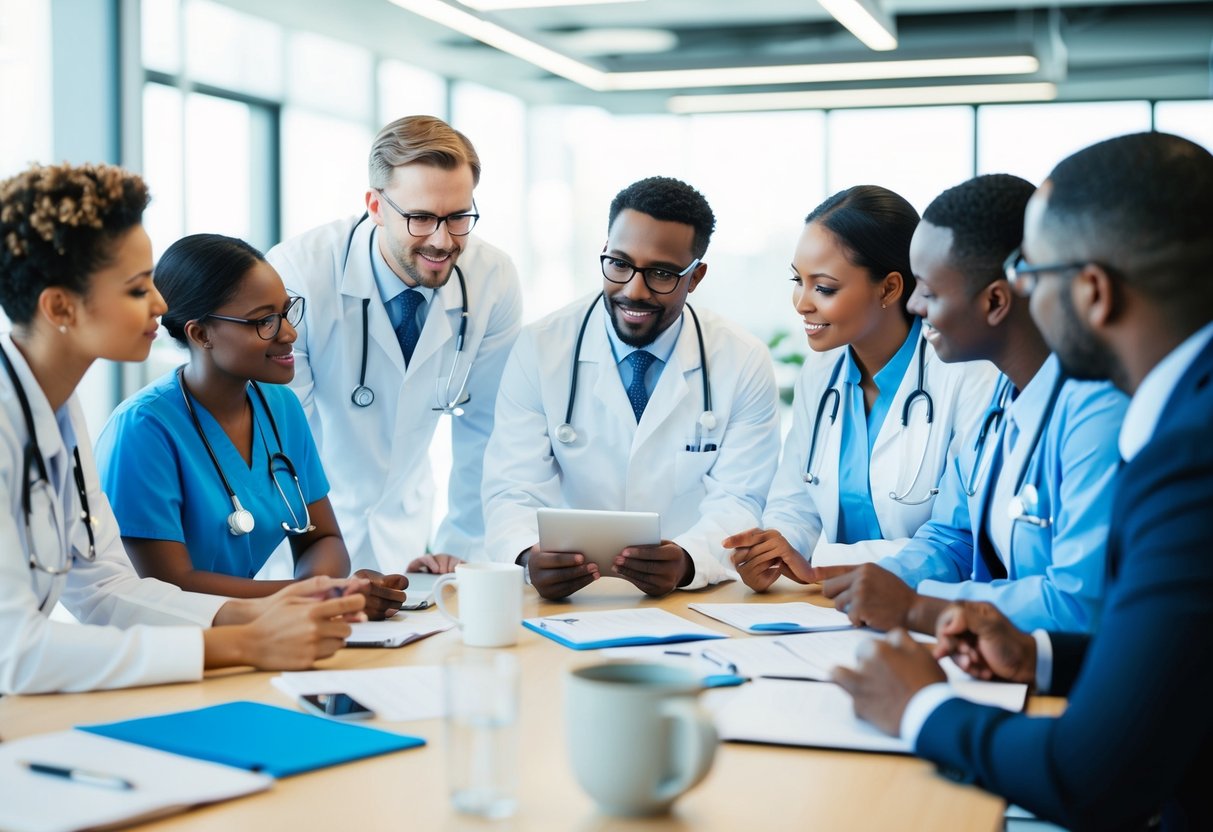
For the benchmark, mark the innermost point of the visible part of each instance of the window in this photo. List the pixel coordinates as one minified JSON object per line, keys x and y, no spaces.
{"x":1190,"y":119}
{"x":916,"y":151}
{"x":1029,"y":139}
{"x":405,"y":91}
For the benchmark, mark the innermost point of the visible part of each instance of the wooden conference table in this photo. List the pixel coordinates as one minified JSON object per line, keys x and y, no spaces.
{"x":749,"y":786}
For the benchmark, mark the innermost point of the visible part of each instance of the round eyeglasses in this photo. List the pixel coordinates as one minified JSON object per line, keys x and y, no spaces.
{"x":660,"y":281}
{"x":269,"y":326}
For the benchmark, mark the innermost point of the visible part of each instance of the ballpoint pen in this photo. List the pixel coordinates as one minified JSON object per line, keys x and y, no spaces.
{"x":727,"y":666}
{"x":79,"y":775}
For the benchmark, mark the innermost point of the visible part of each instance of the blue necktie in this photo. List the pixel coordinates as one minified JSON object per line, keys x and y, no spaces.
{"x":638,"y":394}
{"x":407,"y":331}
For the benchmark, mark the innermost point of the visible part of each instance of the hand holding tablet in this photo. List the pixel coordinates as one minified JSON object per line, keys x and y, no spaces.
{"x":598,"y":535}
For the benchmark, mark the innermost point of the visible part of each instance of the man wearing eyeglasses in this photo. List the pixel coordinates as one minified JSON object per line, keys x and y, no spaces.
{"x":1117,"y":244}
{"x":409,"y":317}
{"x":632,"y":400}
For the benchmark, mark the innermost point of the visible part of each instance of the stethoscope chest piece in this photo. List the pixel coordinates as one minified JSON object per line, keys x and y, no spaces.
{"x":240,"y":521}
{"x":1021,"y":506}
{"x":362,"y":396}
{"x":565,"y":434}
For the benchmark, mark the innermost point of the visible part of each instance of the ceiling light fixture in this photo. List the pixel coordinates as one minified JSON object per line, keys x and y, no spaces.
{"x":596,"y":79}
{"x":866,"y":20}
{"x":502,"y":5}
{"x":883,"y":97}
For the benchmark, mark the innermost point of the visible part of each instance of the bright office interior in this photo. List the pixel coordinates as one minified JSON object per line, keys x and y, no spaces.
{"x":253,"y":117}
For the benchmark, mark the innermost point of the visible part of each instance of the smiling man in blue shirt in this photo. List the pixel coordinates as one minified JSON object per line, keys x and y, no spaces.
{"x":1045,"y":452}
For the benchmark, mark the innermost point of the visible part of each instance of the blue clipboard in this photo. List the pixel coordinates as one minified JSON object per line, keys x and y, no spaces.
{"x":257,"y":737}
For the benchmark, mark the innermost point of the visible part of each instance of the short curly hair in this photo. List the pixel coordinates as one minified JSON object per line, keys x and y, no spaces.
{"x":985,"y":214}
{"x":58,"y":224}
{"x":669,"y":200}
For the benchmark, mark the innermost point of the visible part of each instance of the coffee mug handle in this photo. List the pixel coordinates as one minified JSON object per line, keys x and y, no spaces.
{"x":694,"y":739}
{"x":439,"y":586}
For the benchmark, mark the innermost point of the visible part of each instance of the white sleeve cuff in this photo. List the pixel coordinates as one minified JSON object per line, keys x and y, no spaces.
{"x":920,"y":708}
{"x":1044,"y":660}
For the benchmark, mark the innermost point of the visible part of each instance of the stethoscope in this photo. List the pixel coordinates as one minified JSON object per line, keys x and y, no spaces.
{"x":831,"y":398}
{"x":33,"y":458}
{"x":1022,"y":507}
{"x":566,"y":434}
{"x":240,"y":521}
{"x":364,"y":396}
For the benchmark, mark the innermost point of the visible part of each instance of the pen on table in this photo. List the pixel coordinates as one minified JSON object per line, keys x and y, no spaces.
{"x":729,"y":666}
{"x":677,"y":653}
{"x":79,"y":775}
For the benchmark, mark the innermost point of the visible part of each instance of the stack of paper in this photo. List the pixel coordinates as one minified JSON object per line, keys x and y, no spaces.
{"x":616,"y":628}
{"x":393,"y":693}
{"x":822,"y":715}
{"x":760,"y":619}
{"x":161,"y":783}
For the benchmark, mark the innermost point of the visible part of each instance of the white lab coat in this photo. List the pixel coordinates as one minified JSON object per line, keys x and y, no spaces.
{"x":807,"y":515}
{"x":377,"y":457}
{"x":110,"y":649}
{"x":616,"y":464}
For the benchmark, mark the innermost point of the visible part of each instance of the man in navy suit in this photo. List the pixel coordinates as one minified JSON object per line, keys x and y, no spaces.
{"x":1117,"y":257}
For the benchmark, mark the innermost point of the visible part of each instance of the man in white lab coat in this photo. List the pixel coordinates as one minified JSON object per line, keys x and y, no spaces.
{"x":671,"y":411}
{"x":390,"y":342}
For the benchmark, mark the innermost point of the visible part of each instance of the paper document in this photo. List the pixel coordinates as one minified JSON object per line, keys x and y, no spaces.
{"x":764,"y":619}
{"x":397,"y":694}
{"x":615,"y":628}
{"x":822,"y":715}
{"x":801,"y":656}
{"x":163,"y":783}
{"x":397,"y":631}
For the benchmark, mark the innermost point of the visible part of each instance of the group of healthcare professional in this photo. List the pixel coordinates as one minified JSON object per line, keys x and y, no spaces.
{"x":629,"y":399}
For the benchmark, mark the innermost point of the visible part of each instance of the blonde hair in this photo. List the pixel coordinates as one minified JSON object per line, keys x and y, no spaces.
{"x":422,"y":140}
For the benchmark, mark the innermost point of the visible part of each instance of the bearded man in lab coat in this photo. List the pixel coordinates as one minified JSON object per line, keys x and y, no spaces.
{"x":390,"y":342}
{"x":643,"y":435}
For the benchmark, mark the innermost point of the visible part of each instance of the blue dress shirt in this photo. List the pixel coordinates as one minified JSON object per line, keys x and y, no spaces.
{"x":391,"y":287}
{"x":661,"y":349}
{"x":162,"y":484}
{"x":857,"y":518}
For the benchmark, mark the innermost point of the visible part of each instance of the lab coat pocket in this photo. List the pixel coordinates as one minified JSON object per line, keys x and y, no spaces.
{"x":690,"y":467}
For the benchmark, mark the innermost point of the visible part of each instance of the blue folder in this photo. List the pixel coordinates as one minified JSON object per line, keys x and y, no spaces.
{"x":628,"y":641}
{"x":257,"y":737}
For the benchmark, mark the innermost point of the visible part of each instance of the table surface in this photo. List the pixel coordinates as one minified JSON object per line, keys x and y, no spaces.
{"x":755,"y":786}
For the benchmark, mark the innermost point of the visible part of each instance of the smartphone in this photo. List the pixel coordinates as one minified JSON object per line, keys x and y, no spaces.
{"x":335,"y":706}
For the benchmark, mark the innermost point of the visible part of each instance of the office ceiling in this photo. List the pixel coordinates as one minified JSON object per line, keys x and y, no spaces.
{"x":1111,"y":50}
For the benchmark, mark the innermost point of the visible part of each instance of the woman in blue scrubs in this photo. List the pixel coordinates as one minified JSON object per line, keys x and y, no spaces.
{"x":876,"y":414}
{"x":213,"y":465}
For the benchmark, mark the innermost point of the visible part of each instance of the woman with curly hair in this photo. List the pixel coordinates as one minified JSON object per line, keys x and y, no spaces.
{"x":76,"y":282}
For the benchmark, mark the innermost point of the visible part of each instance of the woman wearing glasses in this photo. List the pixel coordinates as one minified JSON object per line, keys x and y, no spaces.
{"x":75,"y":280}
{"x":212,"y":466}
{"x":876,"y":413}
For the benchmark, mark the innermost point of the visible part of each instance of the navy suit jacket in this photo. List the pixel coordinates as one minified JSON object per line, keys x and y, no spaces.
{"x":1139,"y":720}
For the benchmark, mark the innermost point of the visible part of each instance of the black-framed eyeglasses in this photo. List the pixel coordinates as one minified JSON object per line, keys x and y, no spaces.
{"x":660,"y":281}
{"x":269,"y":326}
{"x":423,"y":225}
{"x":1023,"y":276}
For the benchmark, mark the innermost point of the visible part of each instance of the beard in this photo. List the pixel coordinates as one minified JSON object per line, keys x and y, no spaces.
{"x":421,"y":272}
{"x":1082,"y":357}
{"x":632,"y":336}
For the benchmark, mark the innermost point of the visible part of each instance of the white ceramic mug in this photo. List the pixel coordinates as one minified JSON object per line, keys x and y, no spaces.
{"x":490,"y":602}
{"x":637,"y":737}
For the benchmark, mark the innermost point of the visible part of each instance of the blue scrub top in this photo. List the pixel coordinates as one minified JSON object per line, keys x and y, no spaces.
{"x":163,"y":486}
{"x":857,"y":520}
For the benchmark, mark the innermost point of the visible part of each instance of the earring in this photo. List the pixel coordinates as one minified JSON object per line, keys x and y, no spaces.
{"x":63,"y":328}
{"x":884,"y":306}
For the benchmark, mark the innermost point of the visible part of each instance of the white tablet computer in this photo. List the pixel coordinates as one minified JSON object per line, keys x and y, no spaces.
{"x":599,"y":535}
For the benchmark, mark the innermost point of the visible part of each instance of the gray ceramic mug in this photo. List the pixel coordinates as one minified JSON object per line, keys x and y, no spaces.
{"x":637,"y":737}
